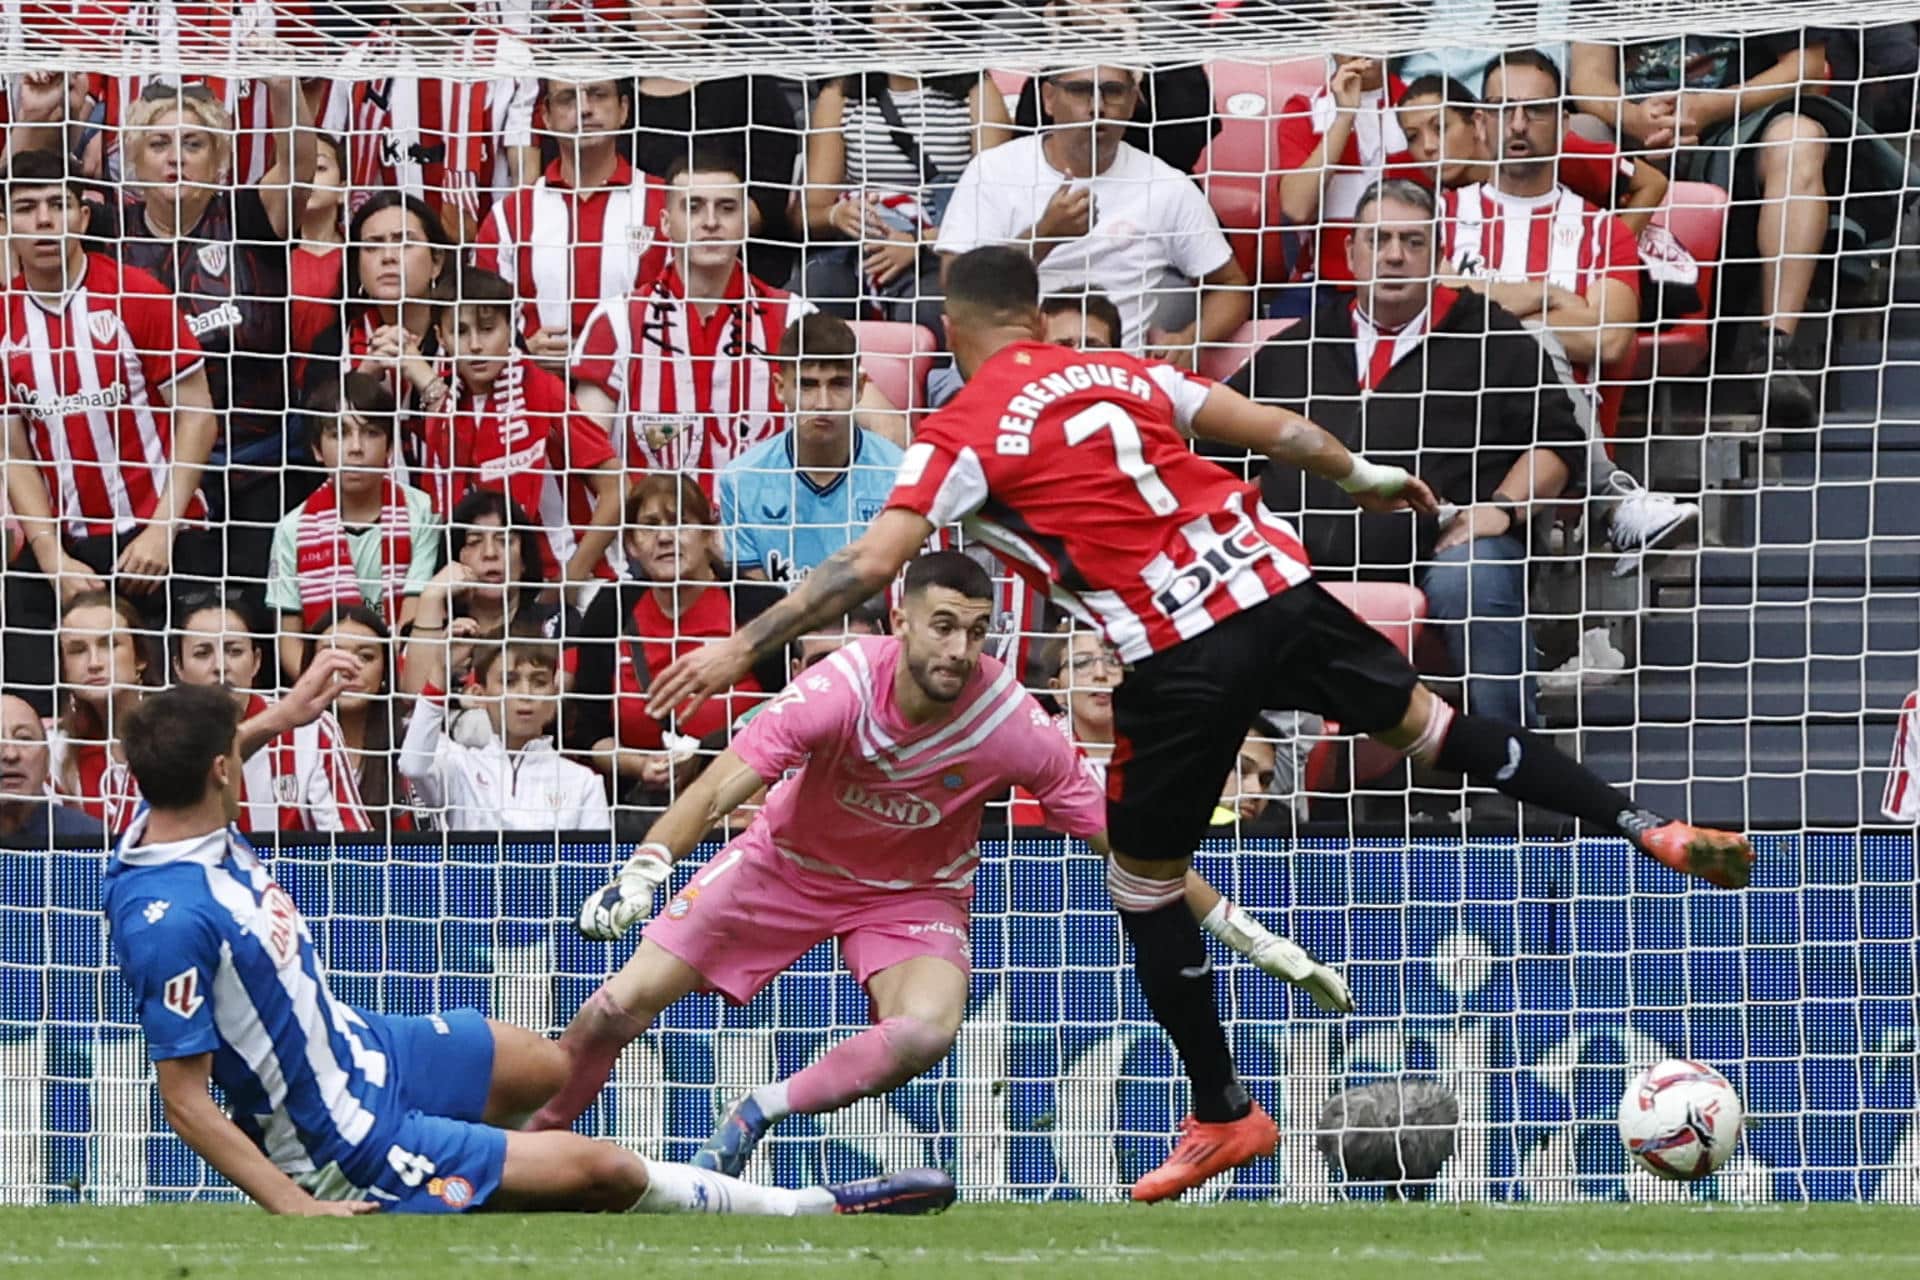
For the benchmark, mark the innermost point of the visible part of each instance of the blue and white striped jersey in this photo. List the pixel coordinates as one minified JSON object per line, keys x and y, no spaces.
{"x":220,"y":961}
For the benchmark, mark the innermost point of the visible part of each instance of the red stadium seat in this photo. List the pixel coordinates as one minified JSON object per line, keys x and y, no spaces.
{"x":898,"y":357}
{"x":1397,"y":611}
{"x":1239,"y":170}
{"x":1221,"y":361}
{"x":1696,"y":213}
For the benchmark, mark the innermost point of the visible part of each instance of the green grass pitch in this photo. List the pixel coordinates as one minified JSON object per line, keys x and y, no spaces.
{"x":1060,"y":1242}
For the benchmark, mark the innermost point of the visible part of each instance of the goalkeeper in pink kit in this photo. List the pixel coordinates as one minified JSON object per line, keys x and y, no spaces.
{"x":899,"y":743}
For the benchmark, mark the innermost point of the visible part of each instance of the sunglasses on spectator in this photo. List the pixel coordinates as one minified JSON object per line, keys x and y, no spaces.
{"x":1110,"y":90}
{"x":1533,"y":111}
{"x":160,"y":92}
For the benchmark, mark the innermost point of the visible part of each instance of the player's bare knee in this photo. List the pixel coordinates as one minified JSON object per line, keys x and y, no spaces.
{"x":614,"y":1178}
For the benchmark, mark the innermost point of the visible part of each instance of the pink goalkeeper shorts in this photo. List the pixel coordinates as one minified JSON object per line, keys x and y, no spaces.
{"x":752,"y":913}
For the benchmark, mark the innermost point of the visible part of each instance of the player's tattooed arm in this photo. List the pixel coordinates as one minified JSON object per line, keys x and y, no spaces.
{"x":854,"y":573}
{"x":1286,"y":437}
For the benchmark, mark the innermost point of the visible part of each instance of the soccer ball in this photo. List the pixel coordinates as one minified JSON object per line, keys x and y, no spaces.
{"x":1680,"y":1119}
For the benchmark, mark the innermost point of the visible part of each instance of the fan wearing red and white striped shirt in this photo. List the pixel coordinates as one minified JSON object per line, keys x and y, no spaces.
{"x":510,"y":426}
{"x":109,"y":417}
{"x":588,"y":231}
{"x":458,"y":142}
{"x":1332,"y":145}
{"x":1531,"y":244}
{"x":680,"y":373}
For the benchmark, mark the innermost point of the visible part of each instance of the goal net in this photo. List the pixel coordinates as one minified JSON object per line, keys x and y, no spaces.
{"x":515,"y":350}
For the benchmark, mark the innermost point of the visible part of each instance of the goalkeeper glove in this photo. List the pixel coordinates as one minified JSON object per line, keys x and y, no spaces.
{"x":611,"y":911}
{"x":1274,"y":955}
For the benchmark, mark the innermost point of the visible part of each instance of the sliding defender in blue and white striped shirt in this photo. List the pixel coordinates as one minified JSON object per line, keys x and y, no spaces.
{"x":337,"y":1110}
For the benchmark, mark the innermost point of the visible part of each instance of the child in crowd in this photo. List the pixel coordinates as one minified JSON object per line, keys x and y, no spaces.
{"x":509,"y":426}
{"x":515,"y":778}
{"x":362,"y":537}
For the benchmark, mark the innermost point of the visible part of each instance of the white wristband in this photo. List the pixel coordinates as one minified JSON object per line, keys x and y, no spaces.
{"x":1373,"y":477}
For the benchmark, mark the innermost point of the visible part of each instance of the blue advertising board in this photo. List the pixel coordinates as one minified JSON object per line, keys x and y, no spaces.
{"x":1531,"y":979}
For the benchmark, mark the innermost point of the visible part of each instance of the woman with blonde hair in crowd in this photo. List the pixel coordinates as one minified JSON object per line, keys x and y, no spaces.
{"x":223,"y":252}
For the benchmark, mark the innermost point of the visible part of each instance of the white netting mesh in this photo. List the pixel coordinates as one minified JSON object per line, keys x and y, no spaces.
{"x":567,"y":297}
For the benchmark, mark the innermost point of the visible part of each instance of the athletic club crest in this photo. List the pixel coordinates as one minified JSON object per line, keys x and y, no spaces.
{"x":213,"y":258}
{"x":286,"y":788}
{"x":103,"y":325}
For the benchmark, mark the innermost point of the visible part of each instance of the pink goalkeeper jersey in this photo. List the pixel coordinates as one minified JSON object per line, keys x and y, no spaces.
{"x":890,"y":805}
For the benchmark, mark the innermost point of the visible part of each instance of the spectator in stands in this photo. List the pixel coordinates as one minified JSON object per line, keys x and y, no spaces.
{"x":456,"y":143}
{"x":1085,"y":321}
{"x":301,"y":780}
{"x":869,"y":619}
{"x":1334,"y":143}
{"x":398,"y":253}
{"x":510,"y":426}
{"x":222,"y":250}
{"x":629,"y":635}
{"x":366,"y":711}
{"x":317,"y":273}
{"x":883,"y":152}
{"x":588,"y":230}
{"x":1743,"y":115}
{"x":792,"y":501}
{"x":515,"y":779}
{"x":1447,"y":384}
{"x":680,"y":374}
{"x":1087,"y":672}
{"x":1448,"y":131}
{"x":53,"y":111}
{"x":106,"y":666}
{"x":1096,"y":211}
{"x":750,"y":120}
{"x":1540,"y":250}
{"x":29,"y":818}
{"x":1174,"y":118}
{"x":362,"y":536}
{"x":1447,"y":134}
{"x":109,"y":420}
{"x":490,"y":588}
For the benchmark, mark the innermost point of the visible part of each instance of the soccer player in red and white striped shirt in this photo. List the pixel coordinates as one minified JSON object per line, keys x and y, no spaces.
{"x":680,"y":372}
{"x":1077,"y":466}
{"x":109,"y":418}
{"x":1533,"y":245}
{"x":587,"y":231}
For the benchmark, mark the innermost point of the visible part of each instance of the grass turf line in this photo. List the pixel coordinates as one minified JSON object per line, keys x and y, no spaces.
{"x":1058,"y":1241}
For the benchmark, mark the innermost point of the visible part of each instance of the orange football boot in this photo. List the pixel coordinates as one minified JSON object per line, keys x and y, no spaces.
{"x":1724,"y":858}
{"x":1205,"y":1150}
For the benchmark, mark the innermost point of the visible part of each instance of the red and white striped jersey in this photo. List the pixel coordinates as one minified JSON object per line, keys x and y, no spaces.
{"x":85,"y":375}
{"x":445,"y":140}
{"x":1376,"y":147}
{"x":1073,"y":465}
{"x":524,"y":438}
{"x":1900,"y":800}
{"x":565,"y":251}
{"x":692,"y":392}
{"x":1557,"y":237}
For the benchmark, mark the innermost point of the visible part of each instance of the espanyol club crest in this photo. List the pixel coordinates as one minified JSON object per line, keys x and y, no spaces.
{"x":103,"y":325}
{"x":213,"y":257}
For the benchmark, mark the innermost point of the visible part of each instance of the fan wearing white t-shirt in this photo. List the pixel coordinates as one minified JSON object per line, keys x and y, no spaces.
{"x":1096,"y":212}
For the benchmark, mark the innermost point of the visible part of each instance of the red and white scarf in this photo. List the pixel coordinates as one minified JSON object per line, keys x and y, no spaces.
{"x":278,"y":780}
{"x":706,"y":385}
{"x":1377,"y":350}
{"x":516,"y":465}
{"x":324,"y":562}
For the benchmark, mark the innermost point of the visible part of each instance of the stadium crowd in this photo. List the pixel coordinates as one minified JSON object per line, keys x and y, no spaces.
{"x":515,"y":389}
